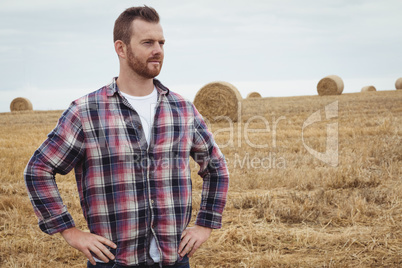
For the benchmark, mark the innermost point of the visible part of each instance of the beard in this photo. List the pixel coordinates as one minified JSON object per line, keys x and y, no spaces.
{"x":140,"y":67}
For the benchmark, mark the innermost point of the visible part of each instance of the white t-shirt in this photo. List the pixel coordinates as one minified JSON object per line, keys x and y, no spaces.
{"x":145,"y":107}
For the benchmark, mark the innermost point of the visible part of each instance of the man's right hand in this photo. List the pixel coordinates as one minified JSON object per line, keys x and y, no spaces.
{"x":87,"y":243}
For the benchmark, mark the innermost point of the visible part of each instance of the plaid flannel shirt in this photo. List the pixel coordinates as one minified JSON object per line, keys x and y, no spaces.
{"x":129,"y":191}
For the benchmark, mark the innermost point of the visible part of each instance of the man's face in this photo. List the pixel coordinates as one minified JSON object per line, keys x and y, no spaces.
{"x":145,"y":51}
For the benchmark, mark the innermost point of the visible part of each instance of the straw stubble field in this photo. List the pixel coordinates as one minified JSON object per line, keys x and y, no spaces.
{"x":286,"y":208}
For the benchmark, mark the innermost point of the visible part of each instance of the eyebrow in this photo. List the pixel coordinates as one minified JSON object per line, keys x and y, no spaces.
{"x":153,"y":40}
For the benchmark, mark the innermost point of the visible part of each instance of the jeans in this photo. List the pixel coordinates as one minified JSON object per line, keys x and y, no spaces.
{"x":184,"y":263}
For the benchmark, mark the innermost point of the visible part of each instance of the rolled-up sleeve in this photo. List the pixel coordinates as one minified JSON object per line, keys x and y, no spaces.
{"x":213,"y":170}
{"x":60,"y":152}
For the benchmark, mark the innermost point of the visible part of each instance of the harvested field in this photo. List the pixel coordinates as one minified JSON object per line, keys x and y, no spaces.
{"x":286,"y":207}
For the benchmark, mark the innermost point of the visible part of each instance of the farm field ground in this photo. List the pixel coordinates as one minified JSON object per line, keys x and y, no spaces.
{"x":316,"y":181}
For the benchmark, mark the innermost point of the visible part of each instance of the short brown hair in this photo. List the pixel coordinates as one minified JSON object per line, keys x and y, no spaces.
{"x":122,"y":26}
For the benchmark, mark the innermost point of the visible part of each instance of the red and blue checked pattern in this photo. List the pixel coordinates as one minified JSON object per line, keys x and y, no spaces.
{"x":129,"y":191}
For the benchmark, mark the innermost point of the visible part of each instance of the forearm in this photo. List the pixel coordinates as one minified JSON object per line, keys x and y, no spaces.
{"x":45,"y":198}
{"x":214,"y":194}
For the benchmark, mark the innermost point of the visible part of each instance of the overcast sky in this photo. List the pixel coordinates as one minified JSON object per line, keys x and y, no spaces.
{"x":53,"y":52}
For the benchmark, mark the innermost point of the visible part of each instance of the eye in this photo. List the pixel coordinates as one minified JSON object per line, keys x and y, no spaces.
{"x":148,"y":43}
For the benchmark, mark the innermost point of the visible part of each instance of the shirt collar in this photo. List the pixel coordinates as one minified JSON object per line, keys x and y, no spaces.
{"x":112,"y":87}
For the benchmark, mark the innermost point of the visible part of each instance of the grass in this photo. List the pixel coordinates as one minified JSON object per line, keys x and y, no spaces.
{"x":286,"y":208}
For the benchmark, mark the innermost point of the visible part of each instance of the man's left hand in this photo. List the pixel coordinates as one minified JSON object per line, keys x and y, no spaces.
{"x":192,"y":238}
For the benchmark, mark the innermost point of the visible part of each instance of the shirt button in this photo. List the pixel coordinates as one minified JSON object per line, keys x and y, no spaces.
{"x":152,"y":202}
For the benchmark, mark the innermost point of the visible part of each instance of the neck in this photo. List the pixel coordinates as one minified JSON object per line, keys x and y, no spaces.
{"x":135,"y":85}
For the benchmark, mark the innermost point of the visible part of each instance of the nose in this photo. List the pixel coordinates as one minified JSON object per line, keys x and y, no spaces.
{"x":158,"y":49}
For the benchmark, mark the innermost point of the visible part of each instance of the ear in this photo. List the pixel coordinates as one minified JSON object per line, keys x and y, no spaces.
{"x":120,"y":48}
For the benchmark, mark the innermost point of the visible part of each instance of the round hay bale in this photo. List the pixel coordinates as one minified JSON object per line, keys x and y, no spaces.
{"x":368,"y":88}
{"x":330,"y":85}
{"x":253,"y":95}
{"x":398,"y":83}
{"x":218,"y":99}
{"x":20,"y":104}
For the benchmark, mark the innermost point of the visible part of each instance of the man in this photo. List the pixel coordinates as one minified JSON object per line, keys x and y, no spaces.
{"x":129,"y":143}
